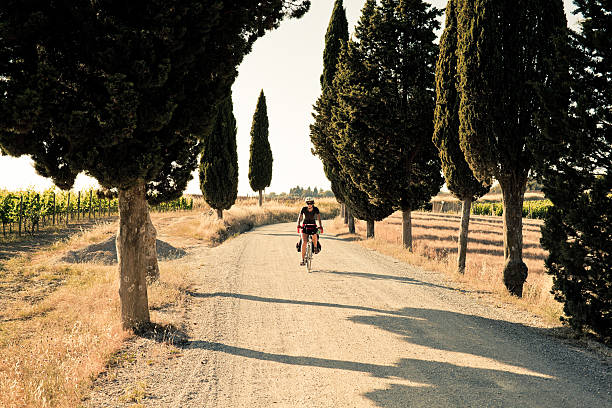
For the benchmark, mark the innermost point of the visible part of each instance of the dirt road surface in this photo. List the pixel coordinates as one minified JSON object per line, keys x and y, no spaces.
{"x":361,"y":330}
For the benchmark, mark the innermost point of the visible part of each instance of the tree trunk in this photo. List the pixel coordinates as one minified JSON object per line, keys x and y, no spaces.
{"x":220,"y":214}
{"x":515,"y":270}
{"x":260,"y":198}
{"x":407,"y":229}
{"x":150,"y":238}
{"x":345,"y":214}
{"x":351,"y":221}
{"x":133,"y":249}
{"x":463,"y":235}
{"x":369,"y":229}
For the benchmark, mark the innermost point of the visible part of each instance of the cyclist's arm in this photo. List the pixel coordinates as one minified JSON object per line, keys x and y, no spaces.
{"x":299,"y":220}
{"x":320,"y":225}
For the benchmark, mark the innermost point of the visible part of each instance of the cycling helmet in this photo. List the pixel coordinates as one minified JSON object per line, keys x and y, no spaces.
{"x":309,"y":200}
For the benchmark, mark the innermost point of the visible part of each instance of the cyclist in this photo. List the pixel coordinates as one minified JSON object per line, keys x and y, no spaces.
{"x":310,"y":213}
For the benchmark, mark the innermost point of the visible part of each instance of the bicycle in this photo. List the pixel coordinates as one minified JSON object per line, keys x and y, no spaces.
{"x":309,"y":251}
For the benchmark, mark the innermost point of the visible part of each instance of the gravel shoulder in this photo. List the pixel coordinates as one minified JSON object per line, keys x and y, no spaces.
{"x":361,"y":330}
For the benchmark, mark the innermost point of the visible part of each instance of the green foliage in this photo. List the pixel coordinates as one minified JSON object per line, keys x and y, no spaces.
{"x":498,"y":77}
{"x":122,"y":91}
{"x":576,"y":171}
{"x":536,"y":209}
{"x":336,"y":35}
{"x":384,"y":111}
{"x":260,"y":159}
{"x":219,"y":161}
{"x":459,"y":177}
{"x":37,"y":206}
{"x":321,"y":131}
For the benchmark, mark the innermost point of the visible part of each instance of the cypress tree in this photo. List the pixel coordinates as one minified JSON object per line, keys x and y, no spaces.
{"x":500,"y":49}
{"x":320,"y":130}
{"x":120,"y":91}
{"x":337,"y":34}
{"x":351,"y":84}
{"x":459,"y":177}
{"x":260,"y":160}
{"x":576,"y":170}
{"x":219,"y":161}
{"x":386,"y":103}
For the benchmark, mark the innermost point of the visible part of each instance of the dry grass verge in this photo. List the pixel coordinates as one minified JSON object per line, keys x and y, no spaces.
{"x":244,"y":216}
{"x":60,"y":323}
{"x":435,"y":247}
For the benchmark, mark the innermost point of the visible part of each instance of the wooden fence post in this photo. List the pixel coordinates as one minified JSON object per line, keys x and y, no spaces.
{"x":68,"y":209}
{"x":54,"y":208}
{"x":20,"y":209}
{"x":90,"y":203}
{"x":38,"y":215}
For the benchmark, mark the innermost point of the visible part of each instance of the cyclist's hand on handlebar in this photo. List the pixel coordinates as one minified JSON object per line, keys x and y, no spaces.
{"x":321,"y":229}
{"x":299,"y":228}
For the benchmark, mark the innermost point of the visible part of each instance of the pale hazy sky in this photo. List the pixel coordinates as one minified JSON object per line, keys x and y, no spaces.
{"x":286,"y":64}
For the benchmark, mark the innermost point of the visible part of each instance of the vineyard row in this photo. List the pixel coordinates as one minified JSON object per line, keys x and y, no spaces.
{"x":27,"y":211}
{"x":535,"y":209}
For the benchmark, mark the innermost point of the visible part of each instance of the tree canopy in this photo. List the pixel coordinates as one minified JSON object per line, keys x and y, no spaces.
{"x":573,"y":163}
{"x":123,"y":91}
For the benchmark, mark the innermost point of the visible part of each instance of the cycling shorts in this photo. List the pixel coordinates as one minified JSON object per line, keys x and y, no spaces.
{"x":309,"y":229}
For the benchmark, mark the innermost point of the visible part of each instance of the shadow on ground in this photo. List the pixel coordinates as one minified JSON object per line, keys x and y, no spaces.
{"x":26,"y":244}
{"x":455,"y":360}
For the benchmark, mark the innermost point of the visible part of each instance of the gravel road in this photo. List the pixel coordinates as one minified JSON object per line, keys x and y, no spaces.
{"x":361,"y":330}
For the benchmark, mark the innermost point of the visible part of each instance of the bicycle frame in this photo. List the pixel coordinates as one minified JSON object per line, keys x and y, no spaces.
{"x":309,"y":251}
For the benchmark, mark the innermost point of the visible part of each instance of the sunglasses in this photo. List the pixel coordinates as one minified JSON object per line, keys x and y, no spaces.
{"x":309,"y":203}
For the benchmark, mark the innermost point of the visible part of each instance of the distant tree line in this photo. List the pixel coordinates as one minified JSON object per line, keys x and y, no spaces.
{"x":298,"y":191}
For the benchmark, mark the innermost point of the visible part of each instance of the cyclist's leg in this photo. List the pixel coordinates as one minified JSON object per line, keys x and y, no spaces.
{"x":304,"y":242}
{"x":315,"y":238}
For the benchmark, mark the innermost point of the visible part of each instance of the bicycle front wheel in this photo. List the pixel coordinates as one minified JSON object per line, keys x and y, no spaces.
{"x":309,"y":256}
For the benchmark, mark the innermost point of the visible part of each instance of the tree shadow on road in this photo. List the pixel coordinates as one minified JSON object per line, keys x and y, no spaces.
{"x":453,"y":359}
{"x":286,"y":301}
{"x":402,"y":279}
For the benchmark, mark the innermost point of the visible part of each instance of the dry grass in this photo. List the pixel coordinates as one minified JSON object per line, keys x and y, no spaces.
{"x":60,"y":323}
{"x":243,"y":216}
{"x":435,"y":239}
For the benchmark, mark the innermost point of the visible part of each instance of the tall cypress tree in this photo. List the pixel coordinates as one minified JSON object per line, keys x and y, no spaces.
{"x":353,"y":82}
{"x":219,"y":161}
{"x":387,"y":104}
{"x":337,"y":34}
{"x":459,"y":177}
{"x":321,"y":129}
{"x":260,"y":160}
{"x":576,"y":170}
{"x":500,"y":49}
{"x":120,"y":91}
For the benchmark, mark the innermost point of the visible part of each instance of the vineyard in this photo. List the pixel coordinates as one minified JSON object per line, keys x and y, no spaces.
{"x":28,"y":211}
{"x":534,"y":209}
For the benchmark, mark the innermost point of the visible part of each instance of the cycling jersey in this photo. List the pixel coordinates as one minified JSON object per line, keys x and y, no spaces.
{"x":309,"y":216}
